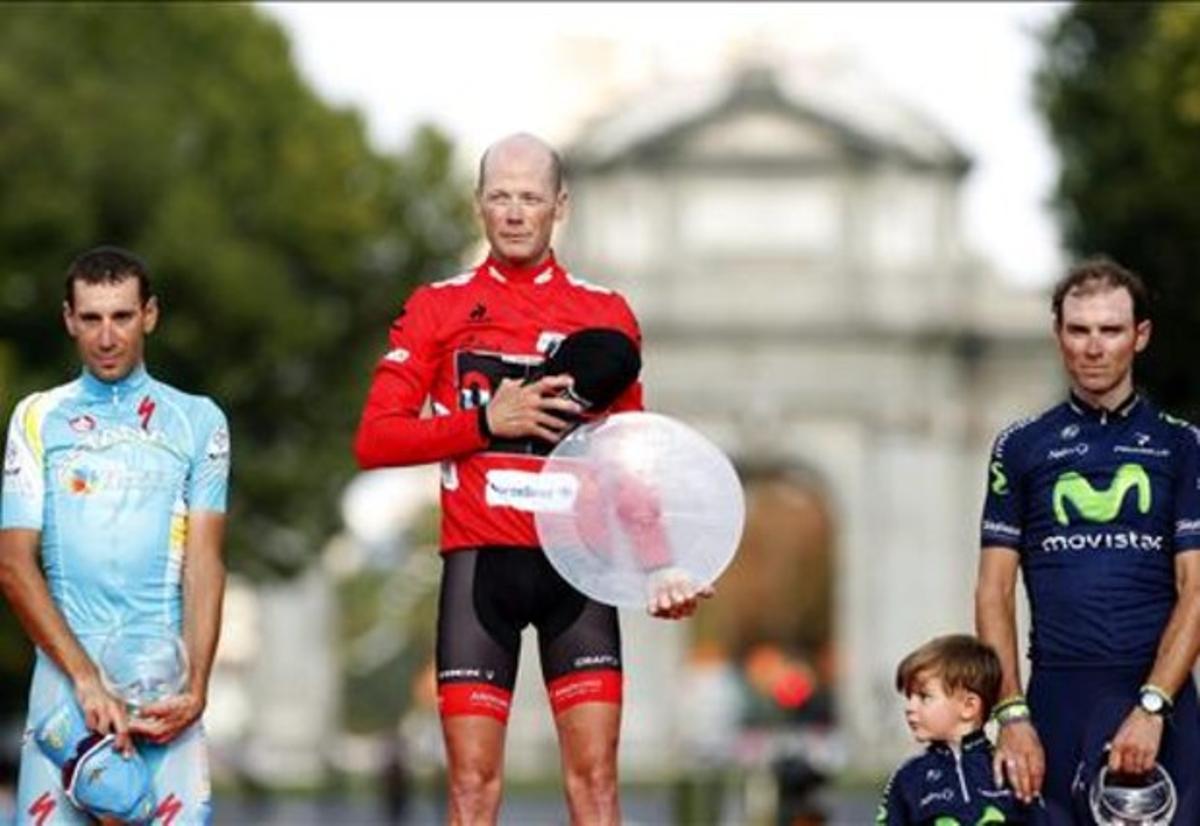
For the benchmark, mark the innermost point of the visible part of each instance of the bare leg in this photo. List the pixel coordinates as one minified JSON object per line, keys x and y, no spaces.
{"x":587,"y":737}
{"x":475,"y":754}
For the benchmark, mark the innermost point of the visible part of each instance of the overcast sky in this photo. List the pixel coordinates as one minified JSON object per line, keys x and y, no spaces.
{"x":483,"y":70}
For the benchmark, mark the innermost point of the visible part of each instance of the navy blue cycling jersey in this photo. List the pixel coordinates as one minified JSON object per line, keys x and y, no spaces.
{"x":1097,"y":503}
{"x":949,"y":787}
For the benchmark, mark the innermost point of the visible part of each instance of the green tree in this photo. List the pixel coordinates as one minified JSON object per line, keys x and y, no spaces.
{"x":280,"y":242}
{"x":1119,"y":86}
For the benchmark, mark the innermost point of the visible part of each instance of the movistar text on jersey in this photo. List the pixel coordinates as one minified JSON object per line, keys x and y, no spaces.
{"x":1103,"y":541}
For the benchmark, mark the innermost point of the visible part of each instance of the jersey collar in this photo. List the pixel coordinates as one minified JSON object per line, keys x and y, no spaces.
{"x":1102,"y":414}
{"x":115,"y":391}
{"x":970,"y":742}
{"x":507,"y":273}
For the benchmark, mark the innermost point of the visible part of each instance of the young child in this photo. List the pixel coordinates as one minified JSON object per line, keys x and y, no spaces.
{"x":950,"y":685}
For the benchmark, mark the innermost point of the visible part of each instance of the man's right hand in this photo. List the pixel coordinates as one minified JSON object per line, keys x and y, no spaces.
{"x":519,"y":410}
{"x":104,"y":713}
{"x":1020,"y":758}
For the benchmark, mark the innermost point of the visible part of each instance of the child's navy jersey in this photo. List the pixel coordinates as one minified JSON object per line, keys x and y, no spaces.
{"x":948,"y":787}
{"x":1097,"y":503}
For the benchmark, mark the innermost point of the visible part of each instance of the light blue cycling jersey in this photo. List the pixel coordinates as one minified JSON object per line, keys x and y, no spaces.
{"x":108,"y":472}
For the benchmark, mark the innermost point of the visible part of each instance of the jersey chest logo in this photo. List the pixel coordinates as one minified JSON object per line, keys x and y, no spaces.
{"x":1104,"y":505}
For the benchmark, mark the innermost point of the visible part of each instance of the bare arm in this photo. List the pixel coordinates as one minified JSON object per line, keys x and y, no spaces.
{"x":26,"y":590}
{"x":203,"y":594}
{"x":1135,"y":745}
{"x":1019,"y":754}
{"x":996,"y":612}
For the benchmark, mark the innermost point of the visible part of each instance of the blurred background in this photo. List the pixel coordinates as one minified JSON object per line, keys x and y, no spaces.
{"x":837,"y":226}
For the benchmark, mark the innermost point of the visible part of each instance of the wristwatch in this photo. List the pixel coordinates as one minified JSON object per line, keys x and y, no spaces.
{"x":1153,"y":701}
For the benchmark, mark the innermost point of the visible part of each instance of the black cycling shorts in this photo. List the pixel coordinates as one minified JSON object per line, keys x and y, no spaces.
{"x":488,"y":596}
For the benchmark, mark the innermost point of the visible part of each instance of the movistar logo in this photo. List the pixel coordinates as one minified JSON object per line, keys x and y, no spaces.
{"x":999,"y":480}
{"x":1100,"y":505}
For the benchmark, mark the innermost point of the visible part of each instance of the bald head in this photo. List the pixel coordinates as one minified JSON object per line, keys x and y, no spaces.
{"x":527,"y":148}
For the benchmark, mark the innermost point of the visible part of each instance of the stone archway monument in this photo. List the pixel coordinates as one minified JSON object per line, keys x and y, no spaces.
{"x":791,"y":244}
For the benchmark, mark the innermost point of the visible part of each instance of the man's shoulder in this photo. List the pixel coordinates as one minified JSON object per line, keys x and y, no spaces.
{"x":1016,"y":432}
{"x":1177,"y":425}
{"x":37,"y":404}
{"x":911,"y":768}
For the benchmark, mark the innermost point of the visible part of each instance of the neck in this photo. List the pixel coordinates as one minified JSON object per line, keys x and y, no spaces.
{"x":1108,"y":400}
{"x":961,"y":731}
{"x":520,"y":270}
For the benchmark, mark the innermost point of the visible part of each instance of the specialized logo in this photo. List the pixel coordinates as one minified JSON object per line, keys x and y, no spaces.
{"x":41,"y":809}
{"x":145,"y":411}
{"x":1100,"y":505}
{"x":169,"y":809}
{"x":999,"y":480}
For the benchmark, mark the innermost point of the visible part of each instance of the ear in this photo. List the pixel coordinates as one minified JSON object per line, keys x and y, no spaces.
{"x":972,"y":705}
{"x":150,"y":315}
{"x":69,"y":320}
{"x":560,"y":204}
{"x":1143,"y":335}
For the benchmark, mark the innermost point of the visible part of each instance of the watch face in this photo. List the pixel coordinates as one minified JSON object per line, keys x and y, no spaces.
{"x":1151,"y":702}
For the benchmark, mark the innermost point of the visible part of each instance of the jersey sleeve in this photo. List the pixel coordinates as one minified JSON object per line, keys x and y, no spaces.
{"x":391,"y":431}
{"x":1187,"y":491}
{"x":208,"y":484}
{"x":1004,"y":502}
{"x":893,"y":807}
{"x":624,"y":320}
{"x":24,"y":481}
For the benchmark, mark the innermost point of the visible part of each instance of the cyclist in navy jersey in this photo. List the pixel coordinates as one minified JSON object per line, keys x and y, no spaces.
{"x":474,"y":346}
{"x":1097,"y":502}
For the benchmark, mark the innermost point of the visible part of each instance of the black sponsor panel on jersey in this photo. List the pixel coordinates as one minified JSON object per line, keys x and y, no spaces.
{"x":478,"y":376}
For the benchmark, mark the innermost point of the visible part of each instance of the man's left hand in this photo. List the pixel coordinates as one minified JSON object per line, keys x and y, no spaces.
{"x":671,"y":594}
{"x":1135,"y":746}
{"x":162,"y":721}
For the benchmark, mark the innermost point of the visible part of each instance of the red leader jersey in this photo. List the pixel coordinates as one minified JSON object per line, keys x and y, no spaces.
{"x":452,"y":343}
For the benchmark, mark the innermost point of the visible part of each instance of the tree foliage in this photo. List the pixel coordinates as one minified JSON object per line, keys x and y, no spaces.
{"x":280,"y":242}
{"x":1119,"y":86}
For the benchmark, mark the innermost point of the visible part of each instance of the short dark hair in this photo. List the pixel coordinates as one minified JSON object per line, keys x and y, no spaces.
{"x":1096,"y":273}
{"x":108,"y":264}
{"x":959,"y":661}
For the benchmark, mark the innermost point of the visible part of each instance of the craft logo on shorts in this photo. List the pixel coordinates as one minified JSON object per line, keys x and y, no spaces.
{"x":83,"y":424}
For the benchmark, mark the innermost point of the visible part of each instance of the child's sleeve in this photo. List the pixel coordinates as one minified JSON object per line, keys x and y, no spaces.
{"x":893,"y":808}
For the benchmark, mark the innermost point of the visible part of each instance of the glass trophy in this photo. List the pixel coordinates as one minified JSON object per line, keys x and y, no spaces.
{"x":143,"y":666}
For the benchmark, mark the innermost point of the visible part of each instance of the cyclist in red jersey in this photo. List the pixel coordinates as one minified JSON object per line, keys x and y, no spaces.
{"x":473,"y":347}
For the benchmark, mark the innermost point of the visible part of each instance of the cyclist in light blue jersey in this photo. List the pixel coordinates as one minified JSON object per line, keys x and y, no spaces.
{"x":112,"y":518}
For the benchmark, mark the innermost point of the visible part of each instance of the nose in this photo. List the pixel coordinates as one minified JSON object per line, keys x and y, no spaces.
{"x":108,"y":337}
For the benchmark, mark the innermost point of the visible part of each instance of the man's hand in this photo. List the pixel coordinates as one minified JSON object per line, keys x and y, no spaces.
{"x":671,"y":594}
{"x":104,"y":713}
{"x":1020,"y":758}
{"x":162,"y":721}
{"x":1135,"y":746}
{"x":518,"y":410}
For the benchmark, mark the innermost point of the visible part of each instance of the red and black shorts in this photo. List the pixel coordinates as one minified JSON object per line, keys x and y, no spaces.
{"x":488,"y":596}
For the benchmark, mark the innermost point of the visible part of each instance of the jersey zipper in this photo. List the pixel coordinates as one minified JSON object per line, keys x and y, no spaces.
{"x":962,"y":780}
